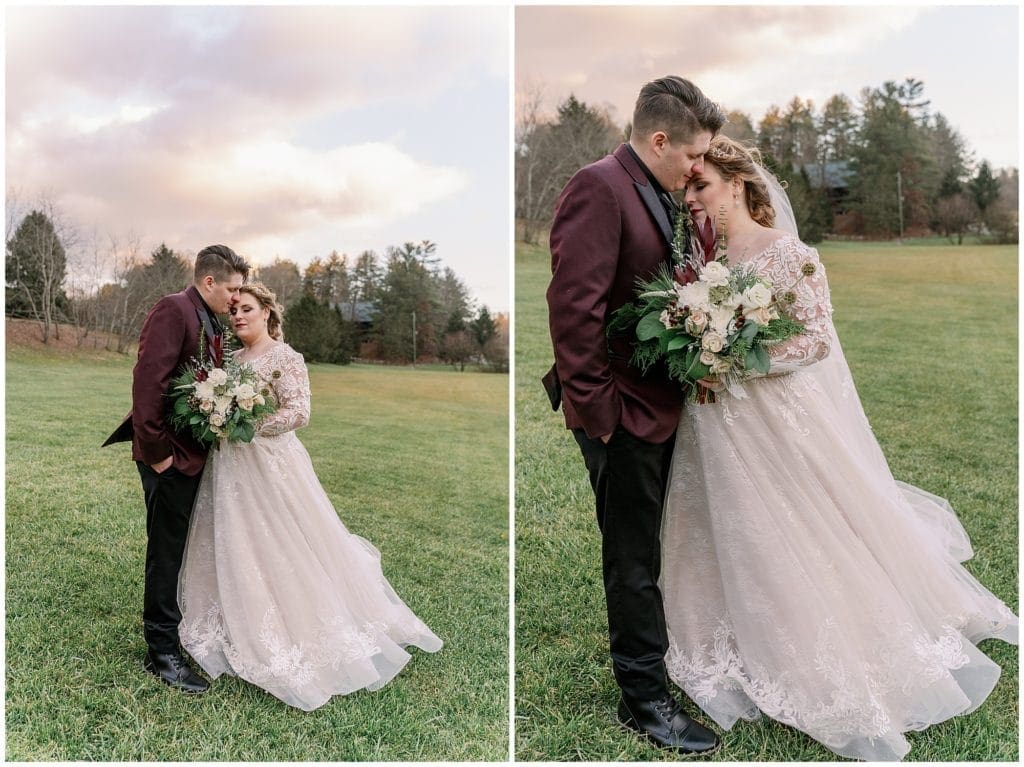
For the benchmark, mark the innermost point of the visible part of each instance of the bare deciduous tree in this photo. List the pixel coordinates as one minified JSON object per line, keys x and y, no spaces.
{"x":87,"y":267}
{"x":457,"y":348}
{"x":126,"y":298}
{"x":550,"y":150}
{"x":283,"y":278}
{"x":36,"y":261}
{"x":954,"y":216}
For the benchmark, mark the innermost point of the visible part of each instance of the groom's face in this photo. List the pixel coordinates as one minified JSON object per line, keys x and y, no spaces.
{"x":221,"y":294}
{"x":679,"y":161}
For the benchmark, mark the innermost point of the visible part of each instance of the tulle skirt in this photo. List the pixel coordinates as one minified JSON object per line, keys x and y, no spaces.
{"x":274,"y":589}
{"x":802,"y":581}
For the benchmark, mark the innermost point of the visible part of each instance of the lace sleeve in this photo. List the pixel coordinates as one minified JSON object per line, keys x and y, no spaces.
{"x":812,"y":307}
{"x":291,"y":388}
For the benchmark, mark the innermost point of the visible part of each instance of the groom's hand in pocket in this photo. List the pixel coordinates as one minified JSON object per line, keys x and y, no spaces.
{"x":164,"y":465}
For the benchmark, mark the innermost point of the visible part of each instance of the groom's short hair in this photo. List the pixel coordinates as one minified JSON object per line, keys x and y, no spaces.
{"x":677,"y":107}
{"x":220,"y":262}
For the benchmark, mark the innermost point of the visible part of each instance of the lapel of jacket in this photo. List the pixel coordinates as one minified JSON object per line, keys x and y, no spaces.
{"x":646,"y":191}
{"x":204,"y":317}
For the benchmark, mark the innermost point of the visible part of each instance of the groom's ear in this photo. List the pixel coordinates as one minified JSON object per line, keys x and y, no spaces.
{"x":658,"y":140}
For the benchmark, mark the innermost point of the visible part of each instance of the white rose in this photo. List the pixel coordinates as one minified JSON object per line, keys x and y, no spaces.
{"x":694,"y":295}
{"x":721,"y":319}
{"x":217,"y":419}
{"x":218,"y":377}
{"x":244,"y":391}
{"x":245,"y":403}
{"x":761,"y":316}
{"x":258,"y":399}
{"x":204,"y":390}
{"x":708,"y":358}
{"x":222,"y":403}
{"x":712,"y":342}
{"x":714,"y":274}
{"x":696,"y":323}
{"x":665,"y":318}
{"x":757,"y":296}
{"x":206,"y":406}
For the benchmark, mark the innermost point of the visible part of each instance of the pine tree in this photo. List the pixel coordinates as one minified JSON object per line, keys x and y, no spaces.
{"x":36,"y":266}
{"x":984,"y":188}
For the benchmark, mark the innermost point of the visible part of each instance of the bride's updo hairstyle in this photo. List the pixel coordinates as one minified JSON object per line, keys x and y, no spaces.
{"x":267,"y":300}
{"x":732,"y":159}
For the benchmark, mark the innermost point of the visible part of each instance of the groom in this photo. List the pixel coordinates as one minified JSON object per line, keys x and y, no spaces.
{"x":171,"y":464}
{"x":613,"y":224}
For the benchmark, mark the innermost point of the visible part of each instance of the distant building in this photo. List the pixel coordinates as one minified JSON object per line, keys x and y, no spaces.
{"x":364,"y":313}
{"x":835,"y":178}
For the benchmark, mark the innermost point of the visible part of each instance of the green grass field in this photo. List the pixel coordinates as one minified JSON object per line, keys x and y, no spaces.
{"x":930,"y":332}
{"x":416,"y":461}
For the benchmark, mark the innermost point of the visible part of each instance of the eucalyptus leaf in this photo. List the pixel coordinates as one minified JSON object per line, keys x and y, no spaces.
{"x":697,"y":369}
{"x":678,"y":342}
{"x":649,"y":327}
{"x":761,"y":363}
{"x":691,"y":357}
{"x":245,"y":432}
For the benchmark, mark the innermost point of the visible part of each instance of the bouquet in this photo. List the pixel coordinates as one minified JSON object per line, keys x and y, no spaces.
{"x":218,"y":402}
{"x":707,"y":319}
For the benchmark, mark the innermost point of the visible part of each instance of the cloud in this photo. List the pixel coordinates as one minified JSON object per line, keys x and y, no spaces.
{"x":361,"y":185}
{"x":128,"y":113}
{"x":190,"y":123}
{"x":253,"y":187}
{"x":241,"y":68}
{"x":286,"y":131}
{"x":742,"y":56}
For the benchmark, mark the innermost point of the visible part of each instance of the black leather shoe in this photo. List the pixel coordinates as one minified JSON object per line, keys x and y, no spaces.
{"x":173,"y":670}
{"x":663,"y":722}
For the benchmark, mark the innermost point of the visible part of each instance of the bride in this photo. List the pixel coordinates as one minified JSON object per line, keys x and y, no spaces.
{"x":273,"y":587}
{"x":800,"y":579}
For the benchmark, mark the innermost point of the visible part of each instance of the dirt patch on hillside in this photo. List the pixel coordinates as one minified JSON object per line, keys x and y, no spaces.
{"x":27,"y":334}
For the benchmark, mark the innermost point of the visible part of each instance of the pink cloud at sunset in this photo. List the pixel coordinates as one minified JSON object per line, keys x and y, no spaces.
{"x":286,"y":131}
{"x":751,"y":57}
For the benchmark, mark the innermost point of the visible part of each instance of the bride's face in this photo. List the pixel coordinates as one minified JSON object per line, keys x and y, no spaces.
{"x":708,"y":192}
{"x":248,"y":319}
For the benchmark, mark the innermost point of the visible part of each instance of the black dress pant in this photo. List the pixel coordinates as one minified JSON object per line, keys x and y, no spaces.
{"x":169,"y":498}
{"x":629,"y":477}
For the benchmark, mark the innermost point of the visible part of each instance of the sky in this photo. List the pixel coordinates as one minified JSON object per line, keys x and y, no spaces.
{"x":280,"y":131}
{"x":751,"y":57}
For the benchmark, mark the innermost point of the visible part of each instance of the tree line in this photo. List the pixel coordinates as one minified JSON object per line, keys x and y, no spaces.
{"x":401,"y":307}
{"x":884,"y":166}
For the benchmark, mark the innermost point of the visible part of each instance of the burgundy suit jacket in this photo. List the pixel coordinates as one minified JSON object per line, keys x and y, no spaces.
{"x":609,"y":229}
{"x":169,"y":340}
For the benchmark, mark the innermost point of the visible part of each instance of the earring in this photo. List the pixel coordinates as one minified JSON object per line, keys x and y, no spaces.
{"x":735,"y":201}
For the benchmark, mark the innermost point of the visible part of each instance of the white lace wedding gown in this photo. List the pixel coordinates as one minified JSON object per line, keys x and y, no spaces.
{"x":273,"y":588}
{"x":800,"y":579}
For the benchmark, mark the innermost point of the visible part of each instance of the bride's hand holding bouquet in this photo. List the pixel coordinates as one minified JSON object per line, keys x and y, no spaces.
{"x":219,"y":402}
{"x":712,"y":325}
